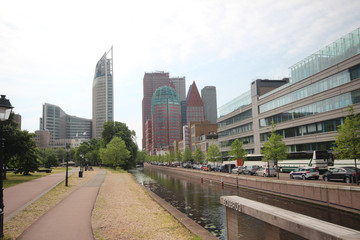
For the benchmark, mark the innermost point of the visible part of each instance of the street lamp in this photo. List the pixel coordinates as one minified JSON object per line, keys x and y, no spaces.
{"x":81,"y":171}
{"x":67,"y":163}
{"x":5,"y":110}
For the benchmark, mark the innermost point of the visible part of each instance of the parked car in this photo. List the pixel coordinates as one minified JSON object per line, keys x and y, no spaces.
{"x":251,"y":169}
{"x":305,"y":173}
{"x":264,"y":172}
{"x":204,"y":168}
{"x":237,"y":170}
{"x":346,"y":174}
{"x":219,"y":168}
{"x":187,"y":165}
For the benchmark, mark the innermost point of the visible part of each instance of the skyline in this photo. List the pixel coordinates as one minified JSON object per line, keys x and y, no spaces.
{"x":49,"y":53}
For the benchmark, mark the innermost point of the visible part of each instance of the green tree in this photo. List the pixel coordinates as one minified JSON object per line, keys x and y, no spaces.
{"x":348,"y":139}
{"x":80,"y":154}
{"x":274,"y":148}
{"x":237,"y":151}
{"x":199,"y":156}
{"x":115,"y":154}
{"x":20,"y":149}
{"x":213,"y":154}
{"x":51,"y":158}
{"x":141,"y":157}
{"x":26,"y":159}
{"x":119,"y":129}
{"x":187,"y":156}
{"x":178,"y":156}
{"x":172,"y":157}
{"x":92,"y":155}
{"x":61,"y":154}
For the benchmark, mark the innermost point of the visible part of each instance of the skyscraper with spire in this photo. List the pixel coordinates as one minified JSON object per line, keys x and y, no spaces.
{"x":103,"y":94}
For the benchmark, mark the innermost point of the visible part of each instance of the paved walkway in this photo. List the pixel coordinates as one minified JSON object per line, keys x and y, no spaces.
{"x":71,"y":218}
{"x":18,"y":197}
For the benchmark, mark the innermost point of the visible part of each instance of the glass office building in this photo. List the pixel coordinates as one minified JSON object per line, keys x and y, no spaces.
{"x":306,"y":109}
{"x":64,"y":126}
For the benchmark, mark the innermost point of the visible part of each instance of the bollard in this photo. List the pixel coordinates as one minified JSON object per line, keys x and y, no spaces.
{"x":222,"y":182}
{"x":201,"y":179}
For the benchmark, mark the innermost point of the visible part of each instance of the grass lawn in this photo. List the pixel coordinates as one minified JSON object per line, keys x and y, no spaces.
{"x":13,"y":179}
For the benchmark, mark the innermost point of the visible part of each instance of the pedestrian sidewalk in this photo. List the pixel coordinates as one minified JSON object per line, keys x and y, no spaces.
{"x":71,"y":218}
{"x":18,"y":197}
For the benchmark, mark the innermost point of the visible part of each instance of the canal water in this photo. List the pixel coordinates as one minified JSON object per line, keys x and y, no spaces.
{"x":201,"y":202}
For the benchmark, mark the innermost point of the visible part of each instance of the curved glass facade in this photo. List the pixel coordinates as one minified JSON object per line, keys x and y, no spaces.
{"x":64,"y":126}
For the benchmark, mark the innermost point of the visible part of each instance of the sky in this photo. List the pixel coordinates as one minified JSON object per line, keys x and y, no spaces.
{"x":49,"y":49}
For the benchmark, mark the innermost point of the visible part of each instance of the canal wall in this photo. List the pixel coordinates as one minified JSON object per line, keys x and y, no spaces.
{"x":337,"y":196}
{"x":276,"y":218}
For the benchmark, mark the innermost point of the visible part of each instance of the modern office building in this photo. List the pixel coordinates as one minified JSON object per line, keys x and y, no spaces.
{"x":63,"y":126}
{"x":194,"y":105}
{"x":179,"y":85}
{"x":306,"y":109}
{"x":166,"y":121}
{"x":103,"y":93}
{"x":151,"y":82}
{"x":208,"y":95}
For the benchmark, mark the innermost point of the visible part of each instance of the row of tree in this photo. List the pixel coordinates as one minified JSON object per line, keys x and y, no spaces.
{"x":116,"y":148}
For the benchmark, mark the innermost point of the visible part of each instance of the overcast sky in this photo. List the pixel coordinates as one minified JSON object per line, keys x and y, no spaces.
{"x":49,"y":49}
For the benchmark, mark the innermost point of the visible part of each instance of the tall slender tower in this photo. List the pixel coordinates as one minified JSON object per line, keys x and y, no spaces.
{"x":103,"y":94}
{"x":208,"y":95}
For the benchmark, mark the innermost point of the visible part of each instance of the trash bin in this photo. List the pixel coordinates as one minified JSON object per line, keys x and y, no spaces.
{"x":80,"y":174}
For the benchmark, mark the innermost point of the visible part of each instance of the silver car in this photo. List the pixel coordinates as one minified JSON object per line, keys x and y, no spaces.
{"x":264,"y":172}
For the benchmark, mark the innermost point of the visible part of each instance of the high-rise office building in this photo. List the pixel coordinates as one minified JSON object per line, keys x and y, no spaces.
{"x":151,"y":82}
{"x":166,"y":121}
{"x":63,"y":126}
{"x":194,"y":105}
{"x":208,"y":95}
{"x":103,"y":94}
{"x":179,"y":85}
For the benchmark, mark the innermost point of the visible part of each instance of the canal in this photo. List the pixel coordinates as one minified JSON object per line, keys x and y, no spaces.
{"x":201,"y":202}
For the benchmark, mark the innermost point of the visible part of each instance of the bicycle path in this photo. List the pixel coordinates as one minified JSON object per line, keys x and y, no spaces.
{"x":18,"y":197}
{"x":71,"y":218}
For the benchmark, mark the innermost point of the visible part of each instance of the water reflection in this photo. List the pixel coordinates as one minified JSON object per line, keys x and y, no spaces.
{"x":201,"y":202}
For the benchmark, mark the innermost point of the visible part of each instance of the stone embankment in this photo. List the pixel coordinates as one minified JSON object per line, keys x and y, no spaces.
{"x":337,"y":196}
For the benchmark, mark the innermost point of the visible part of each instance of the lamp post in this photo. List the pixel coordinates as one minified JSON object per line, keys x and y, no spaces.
{"x":67,"y":163}
{"x":5,"y":110}
{"x":81,"y":172}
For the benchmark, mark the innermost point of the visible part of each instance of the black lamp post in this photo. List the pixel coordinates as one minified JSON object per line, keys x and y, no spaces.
{"x":67,"y":163}
{"x":5,"y":110}
{"x":81,"y":171}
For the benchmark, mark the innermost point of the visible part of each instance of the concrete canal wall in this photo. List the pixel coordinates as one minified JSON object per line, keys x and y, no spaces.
{"x":276,"y":218}
{"x":337,"y":196}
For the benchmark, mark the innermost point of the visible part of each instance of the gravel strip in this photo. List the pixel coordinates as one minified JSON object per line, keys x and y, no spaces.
{"x":125,"y":211}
